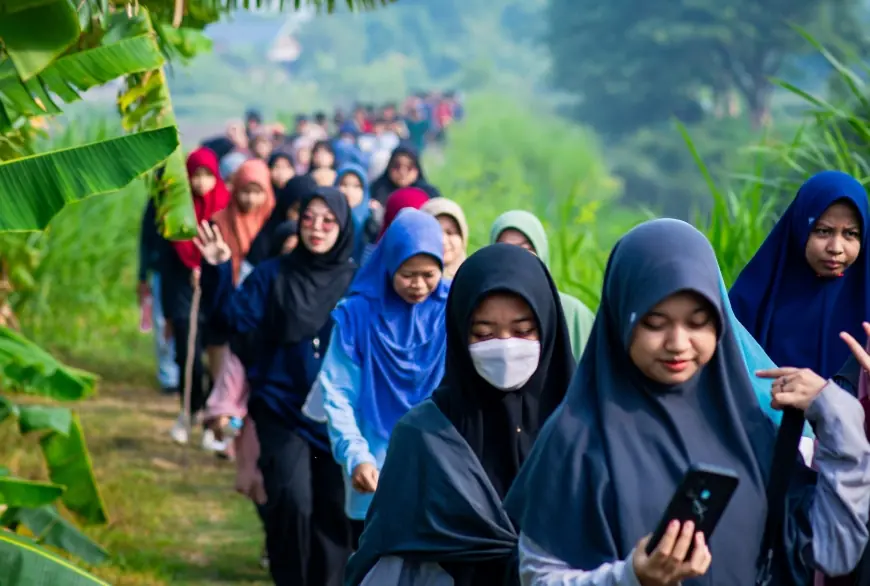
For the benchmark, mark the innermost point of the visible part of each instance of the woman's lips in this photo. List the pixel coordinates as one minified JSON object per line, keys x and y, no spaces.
{"x":675,"y":365}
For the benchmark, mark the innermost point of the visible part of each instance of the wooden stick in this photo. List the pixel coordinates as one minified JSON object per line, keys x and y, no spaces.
{"x":193,"y":323}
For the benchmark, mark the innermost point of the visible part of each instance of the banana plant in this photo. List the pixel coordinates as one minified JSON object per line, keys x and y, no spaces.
{"x":28,"y":369}
{"x":82,"y":48}
{"x":50,"y":52}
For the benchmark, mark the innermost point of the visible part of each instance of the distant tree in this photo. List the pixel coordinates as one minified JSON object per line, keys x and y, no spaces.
{"x":634,"y":63}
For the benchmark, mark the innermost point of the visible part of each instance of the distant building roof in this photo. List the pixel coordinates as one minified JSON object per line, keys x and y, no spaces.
{"x":285,"y":49}
{"x":274,"y":34}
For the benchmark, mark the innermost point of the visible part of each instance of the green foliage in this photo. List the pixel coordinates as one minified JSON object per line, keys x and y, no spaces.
{"x":69,"y":464}
{"x":53,"y":529}
{"x":642,"y":64}
{"x":34,"y":189}
{"x":80,"y":46}
{"x":660,"y":174}
{"x":836,"y":130}
{"x":738,"y":221}
{"x":27,"y":368}
{"x":507,"y":156}
{"x":118,"y":53}
{"x":145,"y":104}
{"x":22,"y":561}
{"x":374,"y":57}
{"x":80,"y":281}
{"x":16,"y":492}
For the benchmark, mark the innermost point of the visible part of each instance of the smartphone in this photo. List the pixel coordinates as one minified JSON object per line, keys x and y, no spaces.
{"x":702,"y":496}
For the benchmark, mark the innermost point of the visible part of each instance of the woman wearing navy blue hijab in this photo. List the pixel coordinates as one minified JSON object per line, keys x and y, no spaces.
{"x":662,"y":385}
{"x":810,"y":280}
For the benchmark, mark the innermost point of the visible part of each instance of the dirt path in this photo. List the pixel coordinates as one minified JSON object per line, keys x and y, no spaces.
{"x":167,"y":527}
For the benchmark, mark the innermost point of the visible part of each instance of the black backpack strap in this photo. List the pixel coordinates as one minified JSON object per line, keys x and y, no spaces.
{"x":782,"y":468}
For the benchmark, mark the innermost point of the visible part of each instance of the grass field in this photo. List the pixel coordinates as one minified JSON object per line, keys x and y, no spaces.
{"x":168,"y":525}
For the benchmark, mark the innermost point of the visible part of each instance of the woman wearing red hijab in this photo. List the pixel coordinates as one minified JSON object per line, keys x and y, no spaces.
{"x":210,"y":195}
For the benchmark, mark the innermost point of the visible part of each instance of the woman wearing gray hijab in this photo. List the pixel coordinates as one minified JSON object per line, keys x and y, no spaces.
{"x":662,"y":386}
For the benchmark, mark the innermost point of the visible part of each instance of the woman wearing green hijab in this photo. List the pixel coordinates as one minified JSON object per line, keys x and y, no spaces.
{"x":525,"y":229}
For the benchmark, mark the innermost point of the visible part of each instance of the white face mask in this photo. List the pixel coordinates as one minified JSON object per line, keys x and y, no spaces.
{"x":506,"y":364}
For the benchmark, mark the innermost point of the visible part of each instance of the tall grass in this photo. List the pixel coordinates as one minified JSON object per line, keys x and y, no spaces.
{"x":738,"y":221}
{"x":82,"y":296}
{"x":836,"y":131}
{"x":507,"y":155}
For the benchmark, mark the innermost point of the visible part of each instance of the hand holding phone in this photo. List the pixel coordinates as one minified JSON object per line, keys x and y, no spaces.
{"x":677,"y":549}
{"x":701,"y":498}
{"x":670,"y":562}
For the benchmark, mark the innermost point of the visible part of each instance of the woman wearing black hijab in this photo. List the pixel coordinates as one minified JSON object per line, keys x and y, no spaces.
{"x":286,"y":303}
{"x":662,"y":385}
{"x":323,"y":163}
{"x":287,"y":202}
{"x":452,"y":459}
{"x":403,"y":170}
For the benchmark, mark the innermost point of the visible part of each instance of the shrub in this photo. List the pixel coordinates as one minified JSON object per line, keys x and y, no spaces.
{"x":507,"y":155}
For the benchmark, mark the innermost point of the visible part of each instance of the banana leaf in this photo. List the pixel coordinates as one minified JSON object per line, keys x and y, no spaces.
{"x":69,"y":464}
{"x":199,"y":13}
{"x":7,"y":408}
{"x":24,"y":563}
{"x":43,"y":418}
{"x":50,"y":528}
{"x":147,"y":103}
{"x":38,"y":35}
{"x":11,"y":6}
{"x":173,"y":200}
{"x":34,"y":189}
{"x":124,"y":50}
{"x":27,"y":368}
{"x":182,"y":43}
{"x":17,"y":492}
{"x":224,"y":6}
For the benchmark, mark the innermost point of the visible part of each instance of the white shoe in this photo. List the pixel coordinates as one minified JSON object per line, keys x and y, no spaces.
{"x":179,"y":431}
{"x":211,"y":444}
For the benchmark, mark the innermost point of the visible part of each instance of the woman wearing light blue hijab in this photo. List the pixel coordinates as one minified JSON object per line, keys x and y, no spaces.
{"x":230,"y":163}
{"x":757,"y":359}
{"x":387,"y":353}
{"x":352,"y":181}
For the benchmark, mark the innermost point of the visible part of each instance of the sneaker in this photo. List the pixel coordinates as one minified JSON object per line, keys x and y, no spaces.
{"x":211,"y":444}
{"x":179,"y":431}
{"x":264,"y":560}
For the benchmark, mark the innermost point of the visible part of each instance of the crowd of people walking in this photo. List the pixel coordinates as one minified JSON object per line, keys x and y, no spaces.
{"x":415,"y":413}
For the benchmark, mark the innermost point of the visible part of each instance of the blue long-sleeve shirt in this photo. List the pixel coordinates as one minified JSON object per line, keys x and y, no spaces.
{"x":353,"y":441}
{"x":281,"y":375}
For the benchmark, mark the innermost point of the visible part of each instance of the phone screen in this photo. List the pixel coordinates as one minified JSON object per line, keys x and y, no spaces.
{"x":702,"y":497}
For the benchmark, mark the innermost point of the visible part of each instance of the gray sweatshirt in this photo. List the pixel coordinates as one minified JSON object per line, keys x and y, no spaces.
{"x":838,"y":515}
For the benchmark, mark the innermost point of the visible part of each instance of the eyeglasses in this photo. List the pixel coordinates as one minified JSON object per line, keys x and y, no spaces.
{"x":329,"y":223}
